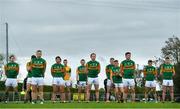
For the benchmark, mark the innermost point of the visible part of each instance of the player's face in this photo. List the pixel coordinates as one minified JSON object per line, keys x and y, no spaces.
{"x":82,"y":62}
{"x":150,"y":63}
{"x":65,"y":62}
{"x":58,"y":60}
{"x":167,"y":61}
{"x":112,"y":61}
{"x":128,"y":56}
{"x":12,"y":59}
{"x":38,"y":54}
{"x":93,"y":57}
{"x":116,"y":64}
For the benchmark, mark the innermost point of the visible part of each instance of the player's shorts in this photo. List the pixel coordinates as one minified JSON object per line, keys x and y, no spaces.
{"x":117,"y":85}
{"x":109,"y":83}
{"x":93,"y":81}
{"x":37,"y":81}
{"x":67,"y":83}
{"x":29,"y":80}
{"x":128,"y":82}
{"x":168,"y":83}
{"x":11,"y":82}
{"x":82,"y":84}
{"x":150,"y":84}
{"x":58,"y":81}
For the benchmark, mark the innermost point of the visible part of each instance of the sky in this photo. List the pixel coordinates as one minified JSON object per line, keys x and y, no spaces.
{"x":75,"y":28}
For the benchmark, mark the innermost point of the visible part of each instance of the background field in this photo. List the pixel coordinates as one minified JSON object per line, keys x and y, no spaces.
{"x":92,"y":105}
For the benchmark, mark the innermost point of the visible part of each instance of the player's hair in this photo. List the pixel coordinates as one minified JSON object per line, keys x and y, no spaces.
{"x":115,"y":60}
{"x":150,"y":61}
{"x":39,"y":51}
{"x":11,"y":56}
{"x":82,"y":60}
{"x":65,"y":60}
{"x":33,"y":56}
{"x":167,"y":58}
{"x":111,"y":58}
{"x":58,"y":57}
{"x":92,"y":54}
{"x":127,"y":53}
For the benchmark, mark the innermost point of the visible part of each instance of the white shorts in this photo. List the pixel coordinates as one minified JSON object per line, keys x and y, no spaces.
{"x":67,"y":83}
{"x":109,"y":83}
{"x":128,"y":82}
{"x":37,"y":81}
{"x":82,"y":84}
{"x":118,"y":84}
{"x":93,"y":81}
{"x":168,"y":83}
{"x":150,"y":84}
{"x":58,"y":81}
{"x":29,"y":80}
{"x":11,"y":82}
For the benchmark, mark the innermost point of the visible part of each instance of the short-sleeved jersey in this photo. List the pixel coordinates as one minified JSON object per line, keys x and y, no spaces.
{"x":167,"y":71}
{"x":93,"y":69}
{"x":67,"y":73}
{"x":29,"y":71}
{"x":128,"y":69}
{"x":150,"y":73}
{"x":115,"y":71}
{"x":11,"y":69}
{"x":82,"y":74}
{"x":108,"y":69}
{"x":38,"y":67}
{"x":57,"y":70}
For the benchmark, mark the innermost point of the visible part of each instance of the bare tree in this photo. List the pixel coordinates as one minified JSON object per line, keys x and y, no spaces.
{"x":172,"y":49}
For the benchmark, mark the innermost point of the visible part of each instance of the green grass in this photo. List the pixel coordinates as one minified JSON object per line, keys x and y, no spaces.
{"x":91,"y":105}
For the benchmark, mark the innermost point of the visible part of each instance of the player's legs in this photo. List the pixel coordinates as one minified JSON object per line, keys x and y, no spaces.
{"x":41,"y":93}
{"x":79,"y":92}
{"x":7,"y":93}
{"x":68,"y":93}
{"x":146,"y":93}
{"x":34,"y":93}
{"x":108,"y":90}
{"x":172,"y":93}
{"x":121,"y":92}
{"x":54,"y":92}
{"x":125,"y":93}
{"x":97,"y":92}
{"x":88,"y":92}
{"x":164,"y":93}
{"x":62,"y":94}
{"x":117,"y":93}
{"x":133,"y":93}
{"x":15,"y":89}
{"x":154,"y":93}
{"x":27,"y":92}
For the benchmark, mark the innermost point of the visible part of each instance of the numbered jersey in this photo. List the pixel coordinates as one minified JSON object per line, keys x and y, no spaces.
{"x":128,"y":69}
{"x":38,"y":67}
{"x":108,"y":69}
{"x":81,"y":71}
{"x":12,"y":69}
{"x":150,"y":73}
{"x":58,"y":70}
{"x":167,"y":71}
{"x":115,"y":72}
{"x":93,"y":68}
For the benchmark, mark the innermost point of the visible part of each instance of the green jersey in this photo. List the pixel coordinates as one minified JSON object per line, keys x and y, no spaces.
{"x":81,"y":71}
{"x":38,"y":67}
{"x":167,"y":71}
{"x":11,"y":69}
{"x":115,"y":72}
{"x":93,"y":69}
{"x":128,"y":69}
{"x":150,"y":73}
{"x":29,"y":71}
{"x":58,"y":70}
{"x":108,"y":69}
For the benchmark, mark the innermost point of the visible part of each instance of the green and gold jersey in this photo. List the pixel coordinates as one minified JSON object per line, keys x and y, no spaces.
{"x":67,"y":73}
{"x":93,"y":69}
{"x":128,"y":69}
{"x":167,"y":71}
{"x":57,"y":70}
{"x":108,"y":69}
{"x":38,"y":67}
{"x":28,"y":65}
{"x":150,"y":73}
{"x":81,"y":72}
{"x":11,"y":69}
{"x":115,"y":73}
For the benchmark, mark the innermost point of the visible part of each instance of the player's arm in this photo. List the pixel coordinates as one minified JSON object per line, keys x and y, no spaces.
{"x":144,"y":72}
{"x":77,"y":73}
{"x":52,"y":71}
{"x":44,"y":68}
{"x":161,"y":69}
{"x":99,"y":68}
{"x":87,"y":68}
{"x":106,"y":69}
{"x":5,"y":69}
{"x":111,"y":74}
{"x":17,"y":69}
{"x":122,"y":69}
{"x":174,"y":72}
{"x":156,"y":73}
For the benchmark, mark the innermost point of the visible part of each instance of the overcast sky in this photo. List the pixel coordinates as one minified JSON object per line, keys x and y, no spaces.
{"x":75,"y":28}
